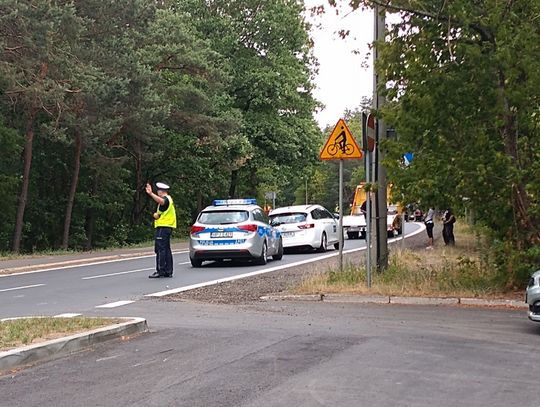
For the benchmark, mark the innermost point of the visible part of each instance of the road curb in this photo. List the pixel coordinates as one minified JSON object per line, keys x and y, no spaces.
{"x":44,"y":351}
{"x":385,"y":299}
{"x":68,"y":263}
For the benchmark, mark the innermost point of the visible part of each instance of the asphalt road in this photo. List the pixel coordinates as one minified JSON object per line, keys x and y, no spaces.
{"x":109,"y":284}
{"x":297,"y":354}
{"x":270,"y":354}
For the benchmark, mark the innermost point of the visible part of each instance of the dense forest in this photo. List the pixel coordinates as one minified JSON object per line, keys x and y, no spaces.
{"x":214,"y":97}
{"x":100,"y":96}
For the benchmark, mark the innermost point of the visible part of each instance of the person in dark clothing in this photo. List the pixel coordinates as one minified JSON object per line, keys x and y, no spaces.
{"x":363,"y":209}
{"x":448,"y":227}
{"x":164,"y":223}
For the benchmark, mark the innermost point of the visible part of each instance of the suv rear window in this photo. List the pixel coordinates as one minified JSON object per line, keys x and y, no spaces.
{"x":292,"y":217}
{"x":223,"y":217}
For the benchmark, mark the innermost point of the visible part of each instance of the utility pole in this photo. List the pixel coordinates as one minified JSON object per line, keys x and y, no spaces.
{"x":381,"y":205}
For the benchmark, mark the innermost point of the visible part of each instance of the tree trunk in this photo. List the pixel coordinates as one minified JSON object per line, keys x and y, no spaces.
{"x":234,"y":182}
{"x":27,"y":163}
{"x":138,"y":202}
{"x":90,"y":220}
{"x":73,"y":188}
{"x":199,"y":201}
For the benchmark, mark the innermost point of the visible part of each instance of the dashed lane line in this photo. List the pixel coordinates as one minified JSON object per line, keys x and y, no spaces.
{"x":116,"y":274}
{"x":115,"y":304}
{"x":22,"y":287}
{"x":85,"y":264}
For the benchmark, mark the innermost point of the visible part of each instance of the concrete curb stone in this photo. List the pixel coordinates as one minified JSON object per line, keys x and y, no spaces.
{"x":493,"y":303}
{"x":383,"y":299}
{"x":307,"y":297}
{"x":360,"y":299}
{"x":48,"y":350}
{"x":424,"y":300}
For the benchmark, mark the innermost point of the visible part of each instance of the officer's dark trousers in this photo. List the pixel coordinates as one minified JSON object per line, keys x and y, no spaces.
{"x":162,"y":248}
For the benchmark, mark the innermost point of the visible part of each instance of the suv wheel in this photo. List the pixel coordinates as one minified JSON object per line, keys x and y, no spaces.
{"x":324,"y":243}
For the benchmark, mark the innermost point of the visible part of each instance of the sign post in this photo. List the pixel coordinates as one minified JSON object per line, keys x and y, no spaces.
{"x":341,"y":145}
{"x":368,"y":129}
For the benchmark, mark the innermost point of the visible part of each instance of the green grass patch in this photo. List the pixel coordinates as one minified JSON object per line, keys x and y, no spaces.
{"x":466,"y":270}
{"x":25,"y":331}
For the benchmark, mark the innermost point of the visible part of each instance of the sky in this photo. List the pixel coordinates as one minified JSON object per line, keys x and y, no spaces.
{"x":344,"y":77}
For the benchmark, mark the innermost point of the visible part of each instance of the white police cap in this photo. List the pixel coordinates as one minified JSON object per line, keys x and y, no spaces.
{"x":161,"y":185}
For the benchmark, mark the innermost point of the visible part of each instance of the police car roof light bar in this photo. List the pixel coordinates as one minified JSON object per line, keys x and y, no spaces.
{"x":226,"y":202}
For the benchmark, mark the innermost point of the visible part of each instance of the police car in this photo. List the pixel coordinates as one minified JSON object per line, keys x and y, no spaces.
{"x":233,"y":229}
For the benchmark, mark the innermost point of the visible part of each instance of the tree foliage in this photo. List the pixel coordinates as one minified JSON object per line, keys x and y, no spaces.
{"x":462,"y":84}
{"x":100,"y":97}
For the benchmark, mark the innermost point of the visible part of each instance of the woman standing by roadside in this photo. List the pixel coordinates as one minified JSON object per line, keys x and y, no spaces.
{"x":428,"y":221}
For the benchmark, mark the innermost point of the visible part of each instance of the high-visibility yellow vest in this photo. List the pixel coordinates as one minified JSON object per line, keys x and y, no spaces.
{"x":167,"y":218}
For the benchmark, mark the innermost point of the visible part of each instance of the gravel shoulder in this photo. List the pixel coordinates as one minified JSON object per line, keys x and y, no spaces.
{"x":251,"y":289}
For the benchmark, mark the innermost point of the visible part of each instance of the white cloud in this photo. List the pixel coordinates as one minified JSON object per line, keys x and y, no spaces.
{"x":343,"y":79}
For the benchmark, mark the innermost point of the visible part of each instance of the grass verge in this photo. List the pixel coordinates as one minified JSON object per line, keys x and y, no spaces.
{"x":25,"y":331}
{"x":465,"y":270}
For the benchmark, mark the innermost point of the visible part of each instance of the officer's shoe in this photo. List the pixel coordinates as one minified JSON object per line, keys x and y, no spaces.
{"x":155,"y":275}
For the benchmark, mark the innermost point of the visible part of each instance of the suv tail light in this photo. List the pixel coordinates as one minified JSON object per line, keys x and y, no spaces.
{"x":249,"y":228}
{"x":306,"y":226}
{"x":196,"y":229}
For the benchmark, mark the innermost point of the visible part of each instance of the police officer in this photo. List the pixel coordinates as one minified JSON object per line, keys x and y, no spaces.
{"x":164,"y":223}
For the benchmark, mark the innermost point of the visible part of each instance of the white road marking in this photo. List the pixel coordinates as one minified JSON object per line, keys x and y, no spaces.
{"x":22,"y":287}
{"x":67,"y":315}
{"x":116,"y":274}
{"x":86,"y":264}
{"x":268,"y":270}
{"x":107,"y":358}
{"x":186,"y":262}
{"x":114,"y":304}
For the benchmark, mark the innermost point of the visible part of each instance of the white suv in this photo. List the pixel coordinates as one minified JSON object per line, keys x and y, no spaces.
{"x":306,"y":226}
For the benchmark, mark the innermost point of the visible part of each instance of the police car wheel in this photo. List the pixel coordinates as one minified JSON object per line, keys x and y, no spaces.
{"x":262,"y":259}
{"x":195,"y":262}
{"x":279,"y":254}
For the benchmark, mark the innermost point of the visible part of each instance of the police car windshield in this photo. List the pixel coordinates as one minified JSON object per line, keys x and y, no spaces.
{"x":223,"y":217}
{"x":290,"y":217}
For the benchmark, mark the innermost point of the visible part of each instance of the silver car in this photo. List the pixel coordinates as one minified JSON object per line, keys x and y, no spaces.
{"x":233,"y":229}
{"x":310,"y":226}
{"x":532,"y":297}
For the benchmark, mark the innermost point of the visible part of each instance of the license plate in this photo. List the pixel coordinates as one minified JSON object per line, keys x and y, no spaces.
{"x":221,"y":235}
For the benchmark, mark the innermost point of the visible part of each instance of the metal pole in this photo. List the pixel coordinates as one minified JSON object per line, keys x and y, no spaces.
{"x":378,"y":102}
{"x":368,"y":223}
{"x":402,"y":230}
{"x":340,"y":215}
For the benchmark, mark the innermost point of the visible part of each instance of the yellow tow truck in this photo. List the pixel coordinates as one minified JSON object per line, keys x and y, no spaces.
{"x":354,"y":225}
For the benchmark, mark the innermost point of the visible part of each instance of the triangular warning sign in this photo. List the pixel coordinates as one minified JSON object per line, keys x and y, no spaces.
{"x":341,"y":144}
